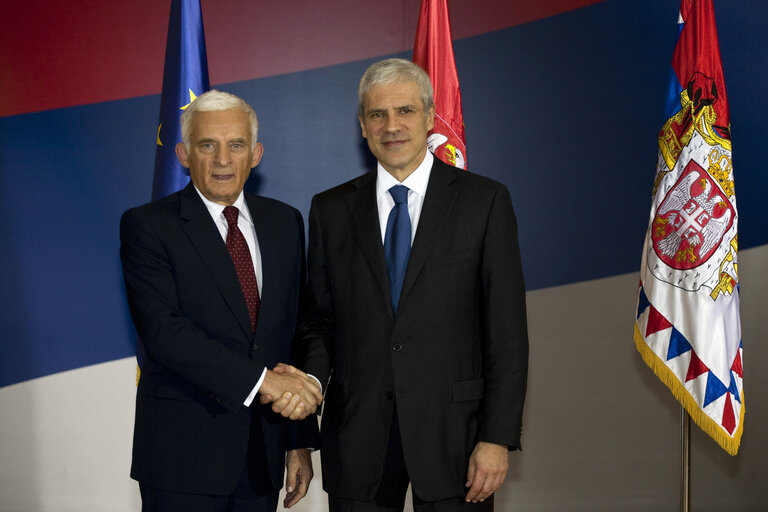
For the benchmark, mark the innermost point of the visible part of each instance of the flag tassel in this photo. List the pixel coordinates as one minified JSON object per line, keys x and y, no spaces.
{"x":706,"y":423}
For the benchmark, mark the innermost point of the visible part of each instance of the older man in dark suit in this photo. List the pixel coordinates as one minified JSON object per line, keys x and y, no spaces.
{"x":213,"y":277}
{"x":416,"y":317}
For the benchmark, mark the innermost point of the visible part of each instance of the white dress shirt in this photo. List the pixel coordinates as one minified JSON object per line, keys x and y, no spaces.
{"x":417,"y":188}
{"x":245,"y":225}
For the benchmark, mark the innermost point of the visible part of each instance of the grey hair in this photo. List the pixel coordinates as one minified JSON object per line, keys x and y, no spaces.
{"x":392,"y":71}
{"x":214,"y":100}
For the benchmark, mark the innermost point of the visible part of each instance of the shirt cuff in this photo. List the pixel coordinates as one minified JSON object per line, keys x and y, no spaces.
{"x":318,"y":383}
{"x":252,"y":395}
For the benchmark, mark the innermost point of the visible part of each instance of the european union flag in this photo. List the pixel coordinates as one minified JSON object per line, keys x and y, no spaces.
{"x":184,"y":78}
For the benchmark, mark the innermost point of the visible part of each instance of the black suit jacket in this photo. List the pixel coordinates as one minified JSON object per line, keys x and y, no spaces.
{"x":192,"y":431}
{"x":454,"y":358}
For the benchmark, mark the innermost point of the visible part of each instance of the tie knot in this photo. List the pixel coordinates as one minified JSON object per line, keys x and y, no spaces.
{"x":231,"y":213}
{"x":399,"y":193}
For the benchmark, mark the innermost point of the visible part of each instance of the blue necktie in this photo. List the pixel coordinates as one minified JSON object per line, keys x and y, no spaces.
{"x":397,"y":241}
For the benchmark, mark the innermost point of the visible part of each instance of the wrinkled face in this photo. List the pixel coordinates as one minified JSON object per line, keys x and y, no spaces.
{"x":221,"y":154}
{"x":396,"y":126}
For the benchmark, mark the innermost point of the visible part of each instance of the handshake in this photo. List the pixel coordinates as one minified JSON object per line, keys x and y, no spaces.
{"x":292,"y":393}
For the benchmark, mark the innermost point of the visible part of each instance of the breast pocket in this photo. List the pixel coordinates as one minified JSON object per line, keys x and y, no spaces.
{"x":448,"y":258}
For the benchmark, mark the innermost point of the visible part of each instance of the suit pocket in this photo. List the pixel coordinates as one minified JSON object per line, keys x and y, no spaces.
{"x":467,"y":390}
{"x":167,"y":392}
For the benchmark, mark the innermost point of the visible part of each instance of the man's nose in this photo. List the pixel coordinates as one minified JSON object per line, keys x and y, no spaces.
{"x":222,"y":156}
{"x":391,"y":124}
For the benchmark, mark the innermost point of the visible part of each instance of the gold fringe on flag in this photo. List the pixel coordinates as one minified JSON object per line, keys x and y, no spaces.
{"x":705,"y":422}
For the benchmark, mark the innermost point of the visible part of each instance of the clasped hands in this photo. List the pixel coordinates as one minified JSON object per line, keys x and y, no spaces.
{"x":292,"y":393}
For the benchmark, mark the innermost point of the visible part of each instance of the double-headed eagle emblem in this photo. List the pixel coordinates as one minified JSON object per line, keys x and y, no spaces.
{"x":692,"y":220}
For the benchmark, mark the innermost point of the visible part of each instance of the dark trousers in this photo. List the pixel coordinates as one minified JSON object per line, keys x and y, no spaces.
{"x":450,"y":505}
{"x":253,"y":492}
{"x":244,"y":499}
{"x":394,"y":485}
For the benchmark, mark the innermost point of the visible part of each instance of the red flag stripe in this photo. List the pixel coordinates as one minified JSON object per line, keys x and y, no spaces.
{"x":433,"y":51}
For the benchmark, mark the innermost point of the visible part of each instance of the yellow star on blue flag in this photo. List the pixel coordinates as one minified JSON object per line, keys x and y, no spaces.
{"x":185,"y":76}
{"x":186,"y":69}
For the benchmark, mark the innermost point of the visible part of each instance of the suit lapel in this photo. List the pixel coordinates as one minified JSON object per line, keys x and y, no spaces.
{"x":365,"y":221}
{"x":268,"y":241}
{"x":439,"y":200}
{"x":205,"y":237}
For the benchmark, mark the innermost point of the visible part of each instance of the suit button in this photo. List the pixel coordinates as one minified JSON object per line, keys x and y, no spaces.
{"x":397,"y":347}
{"x":389,"y":395}
{"x":254,"y":347}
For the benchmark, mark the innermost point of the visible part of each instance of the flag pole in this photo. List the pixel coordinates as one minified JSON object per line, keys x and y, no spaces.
{"x":685,"y":466}
{"x":687,"y":325}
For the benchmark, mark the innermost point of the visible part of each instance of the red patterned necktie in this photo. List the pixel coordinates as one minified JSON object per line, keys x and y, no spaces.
{"x":241,"y":257}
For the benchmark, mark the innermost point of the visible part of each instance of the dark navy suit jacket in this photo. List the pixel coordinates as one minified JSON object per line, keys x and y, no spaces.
{"x":192,"y":432}
{"x":453,"y":359}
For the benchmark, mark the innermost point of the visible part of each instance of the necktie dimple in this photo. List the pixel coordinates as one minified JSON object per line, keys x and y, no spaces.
{"x":397,"y":241}
{"x":241,"y":257}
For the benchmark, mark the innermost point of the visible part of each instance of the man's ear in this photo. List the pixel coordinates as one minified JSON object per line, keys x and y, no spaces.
{"x":362,"y":127}
{"x":258,"y":152}
{"x":182,"y":155}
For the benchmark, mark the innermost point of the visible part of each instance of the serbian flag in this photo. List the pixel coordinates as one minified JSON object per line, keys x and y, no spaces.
{"x":184,"y":78}
{"x":687,"y":328}
{"x":433,"y":51}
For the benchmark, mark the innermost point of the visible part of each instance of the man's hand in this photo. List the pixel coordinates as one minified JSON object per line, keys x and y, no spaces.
{"x":298,"y":474}
{"x":488,"y":466}
{"x":292,"y":393}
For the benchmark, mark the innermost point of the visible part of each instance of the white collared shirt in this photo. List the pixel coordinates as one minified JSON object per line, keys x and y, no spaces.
{"x":245,"y":225}
{"x":417,"y":188}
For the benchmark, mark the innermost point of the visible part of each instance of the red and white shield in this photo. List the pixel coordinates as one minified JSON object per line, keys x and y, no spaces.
{"x":692,"y":219}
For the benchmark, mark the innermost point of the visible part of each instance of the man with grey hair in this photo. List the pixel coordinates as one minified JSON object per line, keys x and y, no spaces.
{"x":416,"y":321}
{"x":213,"y":276}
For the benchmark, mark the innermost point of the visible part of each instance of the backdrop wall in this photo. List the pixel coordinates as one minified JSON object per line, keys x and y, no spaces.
{"x":562,"y":100}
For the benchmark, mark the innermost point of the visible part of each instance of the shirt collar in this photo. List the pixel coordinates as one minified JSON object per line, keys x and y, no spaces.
{"x":216,"y":210}
{"x":417,"y":181}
